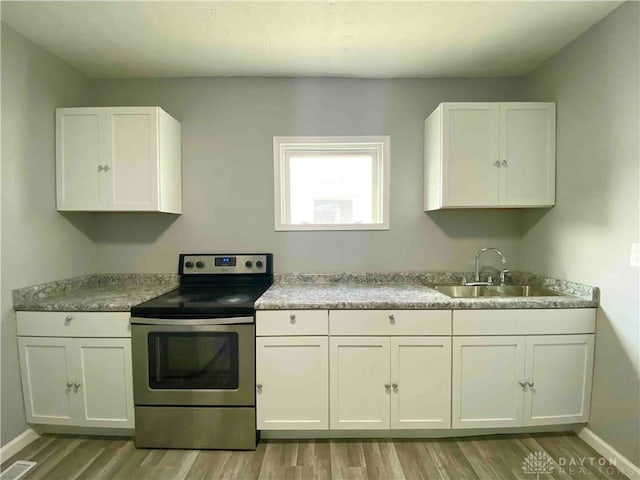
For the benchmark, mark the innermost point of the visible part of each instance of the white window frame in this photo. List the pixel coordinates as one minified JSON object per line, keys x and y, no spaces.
{"x":283,"y":147}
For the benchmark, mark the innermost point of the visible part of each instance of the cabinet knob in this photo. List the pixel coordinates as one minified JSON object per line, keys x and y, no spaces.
{"x":68,"y":319}
{"x":69,"y":384}
{"x":387,"y":387}
{"x":292,"y":318}
{"x":497,"y":163}
{"x":395,"y":386}
{"x":107,"y":168}
{"x":100,"y":168}
{"x":259,"y":386}
{"x":504,"y":163}
{"x":522,"y":384}
{"x":531,"y":384}
{"x":76,"y":386}
{"x":392,"y":319}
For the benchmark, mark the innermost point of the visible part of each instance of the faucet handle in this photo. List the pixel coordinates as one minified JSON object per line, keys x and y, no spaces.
{"x":502,"y":274}
{"x":490,"y":280}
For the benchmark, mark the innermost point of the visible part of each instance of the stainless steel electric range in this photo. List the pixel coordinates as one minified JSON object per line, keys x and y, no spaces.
{"x":194,"y":355}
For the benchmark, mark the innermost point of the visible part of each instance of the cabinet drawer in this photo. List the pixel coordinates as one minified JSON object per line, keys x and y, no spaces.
{"x":524,"y":322}
{"x":73,"y":324}
{"x":291,"y":322}
{"x":390,"y":322}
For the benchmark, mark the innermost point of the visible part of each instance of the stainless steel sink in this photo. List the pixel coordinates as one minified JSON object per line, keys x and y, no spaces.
{"x":468,"y":291}
{"x":523,"y":291}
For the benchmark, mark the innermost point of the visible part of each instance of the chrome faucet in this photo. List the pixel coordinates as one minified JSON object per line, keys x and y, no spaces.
{"x":477,"y":273}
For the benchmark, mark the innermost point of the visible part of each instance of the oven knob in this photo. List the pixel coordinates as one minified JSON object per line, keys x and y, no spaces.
{"x":259,"y":264}
{"x":200,"y":264}
{"x":248,"y":264}
{"x":188,"y":264}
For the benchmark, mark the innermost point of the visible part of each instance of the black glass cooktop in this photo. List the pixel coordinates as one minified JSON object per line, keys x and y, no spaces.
{"x":210,"y":301}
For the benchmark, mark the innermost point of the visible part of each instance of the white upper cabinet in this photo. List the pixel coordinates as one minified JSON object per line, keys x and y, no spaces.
{"x":118,"y":159}
{"x":490,"y":155}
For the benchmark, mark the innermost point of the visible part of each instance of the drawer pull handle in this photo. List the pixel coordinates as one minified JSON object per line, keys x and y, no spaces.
{"x":292,"y":318}
{"x":392,"y":319}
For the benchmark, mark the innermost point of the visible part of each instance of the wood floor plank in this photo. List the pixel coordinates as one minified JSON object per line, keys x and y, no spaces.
{"x":347,"y":460}
{"x":450,"y":460}
{"x":471,"y":458}
{"x":381,"y":460}
{"x":209,"y":464}
{"x":484,"y":466}
{"x":110,"y":460}
{"x":28,"y":452}
{"x":416,"y":461}
{"x":48,"y":458}
{"x":565,"y":455}
{"x":79,"y":459}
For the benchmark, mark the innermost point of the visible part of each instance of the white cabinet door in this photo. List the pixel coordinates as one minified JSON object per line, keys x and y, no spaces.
{"x":527,"y":154}
{"x":486,"y":374}
{"x":131,"y":182}
{"x":359,"y":383}
{"x":292,"y":377}
{"x":470,"y":148}
{"x":480,"y":155}
{"x":420,"y":382}
{"x":103,"y":382}
{"x":558,"y":370}
{"x":118,"y":159}
{"x":81,"y":147}
{"x":45,"y":366}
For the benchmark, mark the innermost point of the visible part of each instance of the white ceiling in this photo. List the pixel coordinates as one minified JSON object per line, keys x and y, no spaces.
{"x":121,"y":39}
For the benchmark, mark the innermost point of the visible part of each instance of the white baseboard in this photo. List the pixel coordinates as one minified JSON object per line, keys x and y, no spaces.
{"x":607,"y":451}
{"x":14,"y":446}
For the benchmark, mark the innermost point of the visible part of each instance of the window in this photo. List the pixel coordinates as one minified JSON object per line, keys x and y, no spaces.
{"x":331,"y":183}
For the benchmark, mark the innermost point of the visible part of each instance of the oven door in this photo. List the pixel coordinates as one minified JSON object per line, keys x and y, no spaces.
{"x":193,"y":363}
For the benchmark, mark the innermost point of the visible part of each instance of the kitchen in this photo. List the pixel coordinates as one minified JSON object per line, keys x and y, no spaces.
{"x":228,"y":125}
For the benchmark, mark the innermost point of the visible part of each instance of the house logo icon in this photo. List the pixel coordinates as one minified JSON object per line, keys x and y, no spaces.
{"x":537,"y":463}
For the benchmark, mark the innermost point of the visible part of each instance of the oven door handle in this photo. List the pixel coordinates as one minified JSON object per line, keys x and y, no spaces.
{"x":191,"y":321}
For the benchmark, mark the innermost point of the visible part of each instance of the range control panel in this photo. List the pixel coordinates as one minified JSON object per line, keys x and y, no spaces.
{"x":215,"y":264}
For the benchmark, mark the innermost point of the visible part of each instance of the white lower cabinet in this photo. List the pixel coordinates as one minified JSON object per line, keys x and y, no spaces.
{"x":421,"y":382}
{"x":510,"y":381}
{"x":360,"y":383}
{"x":76,"y":368}
{"x":77,"y":381}
{"x":390,"y":382}
{"x":292,"y":380}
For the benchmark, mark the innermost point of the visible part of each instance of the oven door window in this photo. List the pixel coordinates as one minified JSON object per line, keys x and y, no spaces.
{"x":199,"y":360}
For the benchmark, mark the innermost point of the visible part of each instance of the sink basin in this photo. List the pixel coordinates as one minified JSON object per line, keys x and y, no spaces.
{"x":523,"y":291}
{"x":468,"y":291}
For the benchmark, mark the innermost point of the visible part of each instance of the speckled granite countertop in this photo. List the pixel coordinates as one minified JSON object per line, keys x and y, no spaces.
{"x":119,"y":292}
{"x":94,"y":293}
{"x":410,"y":291}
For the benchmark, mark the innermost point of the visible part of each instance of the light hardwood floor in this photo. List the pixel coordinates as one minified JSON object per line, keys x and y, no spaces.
{"x":482,"y":458}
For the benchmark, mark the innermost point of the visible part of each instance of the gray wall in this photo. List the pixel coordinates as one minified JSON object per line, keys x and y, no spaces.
{"x":38,"y":244}
{"x":227,"y":129}
{"x":587,"y":237}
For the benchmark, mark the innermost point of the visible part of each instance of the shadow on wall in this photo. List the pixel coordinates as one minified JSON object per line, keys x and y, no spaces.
{"x":123,"y":227}
{"x":613,"y":363}
{"x":476,"y":223}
